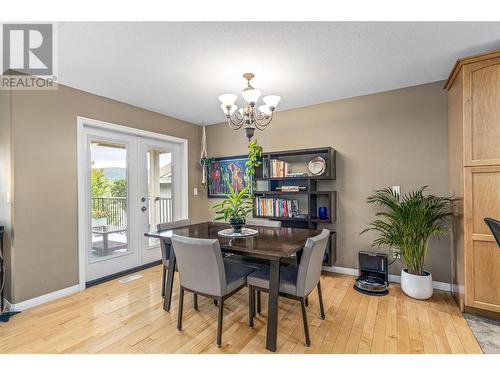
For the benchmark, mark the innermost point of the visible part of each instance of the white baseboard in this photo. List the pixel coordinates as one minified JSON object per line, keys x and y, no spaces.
{"x":43,"y":299}
{"x":393,"y":278}
{"x":76,"y":288}
{"x":342,"y":270}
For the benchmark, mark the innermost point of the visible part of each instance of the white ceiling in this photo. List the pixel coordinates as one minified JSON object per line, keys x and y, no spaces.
{"x":180,"y":69}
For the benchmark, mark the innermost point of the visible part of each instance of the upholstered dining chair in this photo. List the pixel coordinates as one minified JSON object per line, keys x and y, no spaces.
{"x":494,"y":226}
{"x":296,"y":282}
{"x":263,"y":222}
{"x":165,"y":252}
{"x":203,"y":270}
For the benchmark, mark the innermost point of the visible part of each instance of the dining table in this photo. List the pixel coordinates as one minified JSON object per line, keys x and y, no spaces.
{"x":272,"y":245}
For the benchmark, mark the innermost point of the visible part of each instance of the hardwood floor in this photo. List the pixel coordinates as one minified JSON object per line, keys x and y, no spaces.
{"x":128,"y":318}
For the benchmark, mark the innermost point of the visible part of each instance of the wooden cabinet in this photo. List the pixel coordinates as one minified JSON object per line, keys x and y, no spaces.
{"x":474,"y":159}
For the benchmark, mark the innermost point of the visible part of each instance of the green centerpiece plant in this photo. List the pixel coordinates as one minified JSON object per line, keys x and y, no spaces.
{"x":236,"y":207}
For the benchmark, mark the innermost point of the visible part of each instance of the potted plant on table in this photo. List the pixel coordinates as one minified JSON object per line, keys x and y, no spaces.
{"x":407,"y":224}
{"x":236,"y":207}
{"x":99,"y":217}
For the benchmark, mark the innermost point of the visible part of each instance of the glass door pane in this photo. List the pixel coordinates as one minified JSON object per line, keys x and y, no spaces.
{"x":160,"y":183}
{"x":109,"y":231}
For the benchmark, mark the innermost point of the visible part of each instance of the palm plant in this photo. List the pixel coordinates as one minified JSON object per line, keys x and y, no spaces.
{"x":409,"y":222}
{"x":236,"y":207}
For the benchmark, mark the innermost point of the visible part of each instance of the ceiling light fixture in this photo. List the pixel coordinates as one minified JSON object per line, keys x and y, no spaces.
{"x":251,"y":116}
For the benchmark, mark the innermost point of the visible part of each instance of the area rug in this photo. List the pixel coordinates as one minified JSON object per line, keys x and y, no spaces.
{"x":487,"y":332}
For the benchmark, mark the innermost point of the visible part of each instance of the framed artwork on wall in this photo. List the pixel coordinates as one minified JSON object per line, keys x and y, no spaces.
{"x":231,"y":168}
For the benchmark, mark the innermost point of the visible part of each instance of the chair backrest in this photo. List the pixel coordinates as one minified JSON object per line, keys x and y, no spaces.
{"x":311,"y":263}
{"x":494,"y":227}
{"x":200,"y":265}
{"x":263,"y":222}
{"x":165,"y":253}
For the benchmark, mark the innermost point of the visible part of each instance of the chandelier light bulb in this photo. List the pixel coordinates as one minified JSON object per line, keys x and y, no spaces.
{"x":227,"y":99}
{"x":271,"y":100}
{"x":251,"y":96}
{"x":231,"y":110}
{"x":265,"y":110}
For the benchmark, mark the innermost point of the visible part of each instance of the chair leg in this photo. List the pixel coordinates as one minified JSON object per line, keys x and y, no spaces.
{"x":181,"y":303}
{"x":307,"y":301}
{"x":321,"y":306}
{"x":258,"y":302}
{"x":304,"y":318}
{"x":164,"y":278}
{"x":195,"y":301}
{"x":251,"y":306}
{"x":219,"y":322}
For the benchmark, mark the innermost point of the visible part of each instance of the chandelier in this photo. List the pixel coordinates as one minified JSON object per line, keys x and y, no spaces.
{"x":250,"y":116}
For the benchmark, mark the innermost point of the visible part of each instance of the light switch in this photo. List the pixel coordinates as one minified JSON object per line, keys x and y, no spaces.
{"x":195,"y":191}
{"x":396,"y":190}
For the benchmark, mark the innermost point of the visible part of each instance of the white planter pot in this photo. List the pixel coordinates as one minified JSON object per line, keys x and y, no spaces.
{"x":415,"y":286}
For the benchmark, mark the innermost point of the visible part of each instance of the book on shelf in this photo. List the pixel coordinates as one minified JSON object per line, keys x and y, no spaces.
{"x":279,"y":168}
{"x":286,"y":189}
{"x":296,"y":174}
{"x":276,"y":207}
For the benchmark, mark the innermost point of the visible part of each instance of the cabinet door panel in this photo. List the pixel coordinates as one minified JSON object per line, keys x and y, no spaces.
{"x":485,"y":112}
{"x":486,"y":275}
{"x":485,"y":197}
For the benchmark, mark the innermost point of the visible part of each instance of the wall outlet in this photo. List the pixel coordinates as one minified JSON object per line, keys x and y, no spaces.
{"x":195,"y":191}
{"x":396,"y":190}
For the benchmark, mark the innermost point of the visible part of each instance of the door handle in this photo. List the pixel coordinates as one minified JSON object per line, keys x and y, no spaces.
{"x":143,"y":208}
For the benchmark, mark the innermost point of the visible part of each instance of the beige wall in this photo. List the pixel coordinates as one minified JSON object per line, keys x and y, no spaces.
{"x":391,"y":138}
{"x":5,"y":185}
{"x":45,"y":174}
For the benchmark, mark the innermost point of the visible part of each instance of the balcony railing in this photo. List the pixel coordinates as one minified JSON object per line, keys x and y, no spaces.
{"x":115,"y":210}
{"x":164,"y":209}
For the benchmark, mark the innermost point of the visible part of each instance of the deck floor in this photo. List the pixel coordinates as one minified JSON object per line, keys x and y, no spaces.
{"x":128,"y":318}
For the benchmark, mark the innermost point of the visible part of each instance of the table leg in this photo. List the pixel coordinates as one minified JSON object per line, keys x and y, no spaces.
{"x":170,"y":278}
{"x":272,"y":306}
{"x":104,"y":244}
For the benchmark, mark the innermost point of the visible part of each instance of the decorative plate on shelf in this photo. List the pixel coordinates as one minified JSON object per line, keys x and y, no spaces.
{"x":317,"y":166}
{"x":245,"y":232}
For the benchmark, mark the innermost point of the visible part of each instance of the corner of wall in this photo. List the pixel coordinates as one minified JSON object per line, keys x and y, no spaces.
{"x":6,"y":188}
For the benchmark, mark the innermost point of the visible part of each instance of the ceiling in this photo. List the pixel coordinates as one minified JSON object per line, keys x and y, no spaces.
{"x":179,"y":69}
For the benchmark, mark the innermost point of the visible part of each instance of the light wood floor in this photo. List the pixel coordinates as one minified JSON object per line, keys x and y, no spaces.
{"x":128,"y":318}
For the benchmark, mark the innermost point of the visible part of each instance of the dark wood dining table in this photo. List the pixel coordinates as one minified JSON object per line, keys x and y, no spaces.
{"x":273,"y":245}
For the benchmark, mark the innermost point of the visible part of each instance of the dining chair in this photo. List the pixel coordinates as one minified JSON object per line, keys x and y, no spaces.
{"x":494,"y":226}
{"x":203,"y":270}
{"x":296,"y":282}
{"x":263,"y":222}
{"x":253,"y":263}
{"x":165,"y":252}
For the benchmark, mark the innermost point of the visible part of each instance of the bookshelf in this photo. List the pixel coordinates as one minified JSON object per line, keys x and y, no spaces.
{"x":317,"y":191}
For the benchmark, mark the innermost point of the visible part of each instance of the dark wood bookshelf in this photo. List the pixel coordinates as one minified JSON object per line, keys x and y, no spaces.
{"x":313,"y":195}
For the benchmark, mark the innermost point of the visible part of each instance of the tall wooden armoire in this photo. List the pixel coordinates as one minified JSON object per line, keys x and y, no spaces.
{"x":474,"y":157}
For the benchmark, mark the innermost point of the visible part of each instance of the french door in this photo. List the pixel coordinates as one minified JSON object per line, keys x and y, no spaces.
{"x":131,"y":183}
